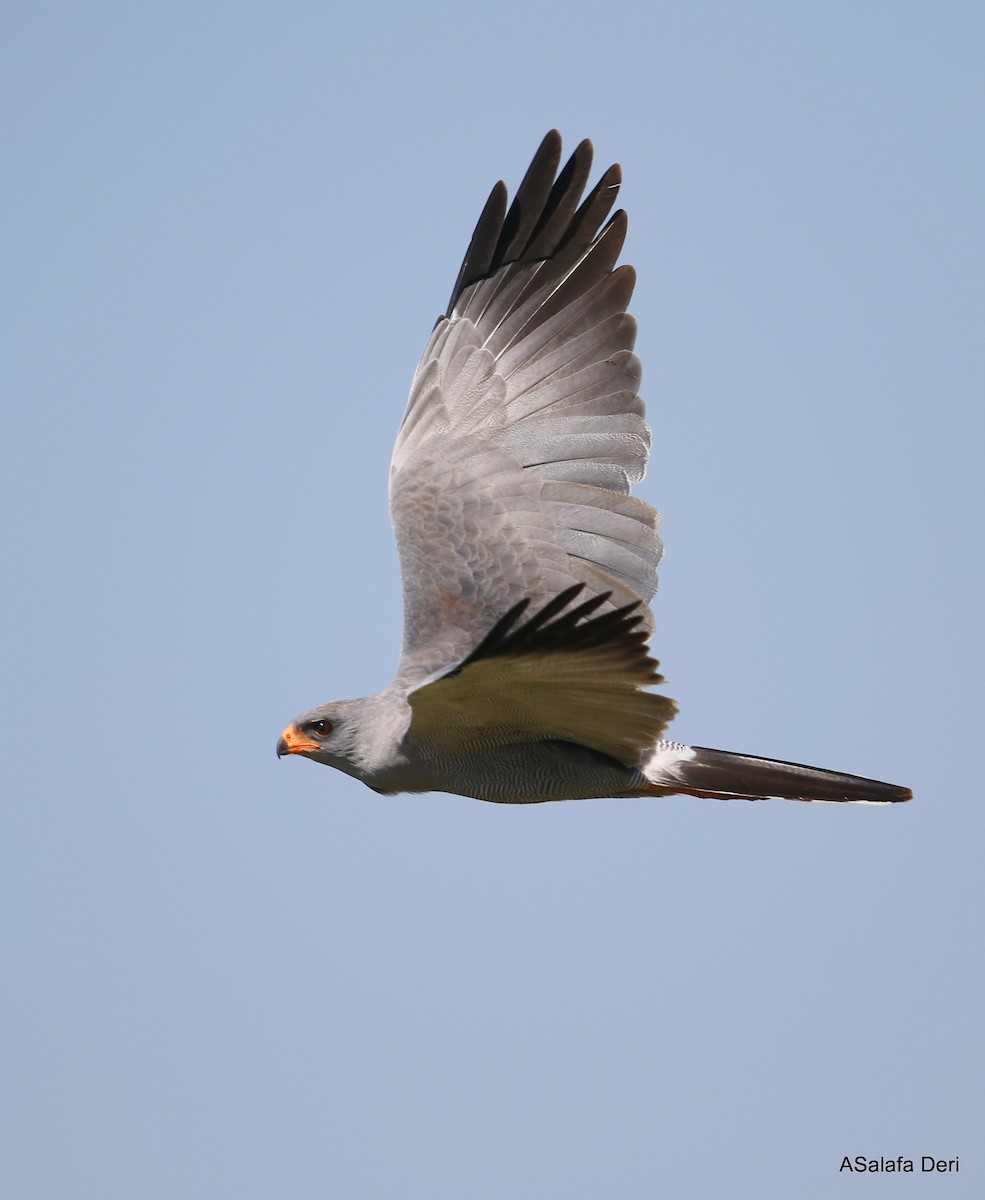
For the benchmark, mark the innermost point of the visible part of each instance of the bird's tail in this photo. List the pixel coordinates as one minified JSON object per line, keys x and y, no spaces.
{"x":720,"y":774}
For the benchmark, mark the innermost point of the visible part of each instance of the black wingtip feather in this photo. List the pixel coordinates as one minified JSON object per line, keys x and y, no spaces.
{"x":561,"y":203}
{"x":544,"y":220}
{"x":532,"y":197}
{"x":482,"y":247}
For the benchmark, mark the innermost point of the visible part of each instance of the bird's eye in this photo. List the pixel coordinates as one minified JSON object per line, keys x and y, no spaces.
{"x":322,"y":728}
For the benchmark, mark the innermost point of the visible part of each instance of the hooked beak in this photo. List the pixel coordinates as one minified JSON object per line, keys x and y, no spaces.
{"x":293,"y":741}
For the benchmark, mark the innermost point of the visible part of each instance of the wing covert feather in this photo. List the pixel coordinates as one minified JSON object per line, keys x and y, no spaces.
{"x":574,"y":676}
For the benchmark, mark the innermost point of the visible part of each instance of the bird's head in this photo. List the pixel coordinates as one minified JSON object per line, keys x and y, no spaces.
{"x":328,"y":734}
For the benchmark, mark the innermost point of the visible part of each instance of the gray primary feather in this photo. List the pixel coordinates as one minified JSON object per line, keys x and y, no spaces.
{"x":527,"y":566}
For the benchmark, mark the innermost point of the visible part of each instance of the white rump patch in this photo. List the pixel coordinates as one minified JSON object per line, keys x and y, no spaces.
{"x":662,"y":764}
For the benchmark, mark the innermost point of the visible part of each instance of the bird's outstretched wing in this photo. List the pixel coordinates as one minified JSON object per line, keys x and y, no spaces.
{"x":524,"y":429}
{"x":571,"y":676}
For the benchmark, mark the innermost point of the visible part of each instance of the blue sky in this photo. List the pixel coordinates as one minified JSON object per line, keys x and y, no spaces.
{"x":228,"y":231}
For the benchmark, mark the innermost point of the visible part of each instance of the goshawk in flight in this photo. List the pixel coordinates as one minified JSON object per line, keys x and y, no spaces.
{"x":527,"y":565}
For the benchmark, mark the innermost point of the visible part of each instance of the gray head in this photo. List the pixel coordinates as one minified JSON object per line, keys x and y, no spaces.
{"x":329,"y":734}
{"x":363,"y":738}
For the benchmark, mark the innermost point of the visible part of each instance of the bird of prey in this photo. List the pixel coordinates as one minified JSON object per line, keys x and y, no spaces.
{"x":527,"y":565}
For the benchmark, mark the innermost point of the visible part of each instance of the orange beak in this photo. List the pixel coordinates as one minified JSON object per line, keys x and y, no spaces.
{"x":293,"y":741}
